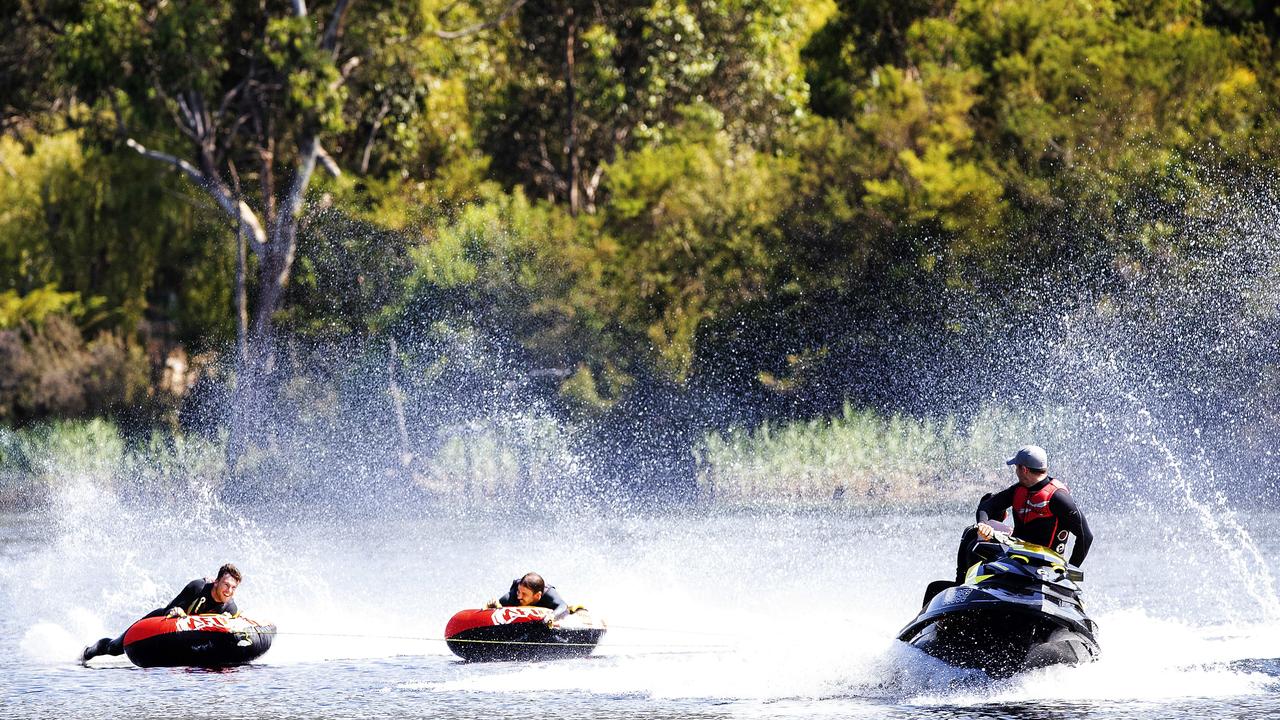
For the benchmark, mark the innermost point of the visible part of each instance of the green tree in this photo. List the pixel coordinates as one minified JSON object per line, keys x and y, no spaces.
{"x":245,"y":99}
{"x":1002,"y":135}
{"x":584,"y":81}
{"x":70,"y":219}
{"x":696,"y":221}
{"x":860,"y":36}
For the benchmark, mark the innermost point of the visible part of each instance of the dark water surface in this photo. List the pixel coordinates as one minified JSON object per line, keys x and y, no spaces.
{"x":710,"y":616}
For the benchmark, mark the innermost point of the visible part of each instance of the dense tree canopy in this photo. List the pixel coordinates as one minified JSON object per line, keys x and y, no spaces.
{"x":623,"y":195}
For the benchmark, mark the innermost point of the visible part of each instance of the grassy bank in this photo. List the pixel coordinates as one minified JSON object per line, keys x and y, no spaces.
{"x":520,"y":459}
{"x":38,"y":461}
{"x":862,"y":459}
{"x":856,"y":459}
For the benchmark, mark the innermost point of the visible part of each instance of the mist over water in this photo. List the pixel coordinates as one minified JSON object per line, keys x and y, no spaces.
{"x":727,"y":614}
{"x":1151,"y":389}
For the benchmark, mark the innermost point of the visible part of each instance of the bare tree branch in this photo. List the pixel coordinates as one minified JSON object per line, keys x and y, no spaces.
{"x":170,"y":106}
{"x":334,"y":31}
{"x":308,"y":151}
{"x":248,"y":219}
{"x":373,"y":133}
{"x":202,"y":114}
{"x":300,"y":8}
{"x":235,"y":126}
{"x":279,"y":254}
{"x":188,"y":122}
{"x":481,"y":26}
{"x":191,"y":170}
{"x":591,"y":185}
{"x":327,"y":161}
{"x":229,"y":98}
{"x":241,"y":296}
{"x":544,"y":161}
{"x":345,"y":71}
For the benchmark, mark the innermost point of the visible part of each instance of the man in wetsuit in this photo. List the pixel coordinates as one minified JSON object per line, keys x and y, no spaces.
{"x":1044,"y":513}
{"x":532,"y":591}
{"x":200,"y":597}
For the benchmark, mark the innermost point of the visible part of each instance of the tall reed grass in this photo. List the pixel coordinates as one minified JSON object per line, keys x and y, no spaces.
{"x":861,"y":458}
{"x":38,"y":461}
{"x":513,"y":459}
{"x":523,"y":458}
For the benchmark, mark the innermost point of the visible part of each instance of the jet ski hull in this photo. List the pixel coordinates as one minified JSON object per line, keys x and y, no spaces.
{"x":1000,"y":641}
{"x":1019,"y":610}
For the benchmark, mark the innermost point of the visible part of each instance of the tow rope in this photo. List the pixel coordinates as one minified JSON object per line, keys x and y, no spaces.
{"x":426,"y":638}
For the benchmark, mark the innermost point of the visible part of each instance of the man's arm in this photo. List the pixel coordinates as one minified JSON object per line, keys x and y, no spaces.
{"x":1064,"y":506}
{"x":551,"y":595}
{"x":187,"y":596}
{"x":996,"y":505}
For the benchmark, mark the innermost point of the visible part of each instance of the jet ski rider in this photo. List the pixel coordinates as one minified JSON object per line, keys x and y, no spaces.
{"x":532,"y":591}
{"x":201,"y":596}
{"x":1044,"y":513}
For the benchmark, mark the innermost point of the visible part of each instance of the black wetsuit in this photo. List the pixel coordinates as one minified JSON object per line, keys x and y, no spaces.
{"x":195,"y":599}
{"x":550,"y":599}
{"x":1066,"y":517}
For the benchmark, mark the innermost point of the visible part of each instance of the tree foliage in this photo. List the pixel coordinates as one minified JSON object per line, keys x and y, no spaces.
{"x":618,"y":195}
{"x":70,"y":220}
{"x":587,"y":80}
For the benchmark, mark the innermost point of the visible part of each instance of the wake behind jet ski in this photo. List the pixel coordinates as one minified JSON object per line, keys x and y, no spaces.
{"x":1018,"y":608}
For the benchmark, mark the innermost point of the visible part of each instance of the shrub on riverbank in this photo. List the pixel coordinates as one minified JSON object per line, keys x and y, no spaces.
{"x":49,"y":367}
{"x":861,"y":458}
{"x":39,"y":461}
{"x":519,"y":460}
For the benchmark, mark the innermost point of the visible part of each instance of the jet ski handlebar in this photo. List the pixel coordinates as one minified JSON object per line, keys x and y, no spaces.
{"x":1073,"y":573}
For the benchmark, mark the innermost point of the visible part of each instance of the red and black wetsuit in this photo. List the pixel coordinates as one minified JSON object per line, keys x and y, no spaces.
{"x":1042,"y":514}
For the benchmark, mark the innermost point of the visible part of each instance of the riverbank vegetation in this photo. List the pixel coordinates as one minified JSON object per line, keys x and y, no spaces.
{"x":859,"y":459}
{"x":856,"y":460}
{"x":349,"y":234}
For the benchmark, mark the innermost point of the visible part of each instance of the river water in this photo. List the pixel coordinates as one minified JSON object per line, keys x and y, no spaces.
{"x":711,"y":615}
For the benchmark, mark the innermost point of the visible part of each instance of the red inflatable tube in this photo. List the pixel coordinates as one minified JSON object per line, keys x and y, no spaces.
{"x":209,"y":641}
{"x":521,"y":633}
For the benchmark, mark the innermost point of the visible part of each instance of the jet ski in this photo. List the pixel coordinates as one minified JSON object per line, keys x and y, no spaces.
{"x":1018,"y":608}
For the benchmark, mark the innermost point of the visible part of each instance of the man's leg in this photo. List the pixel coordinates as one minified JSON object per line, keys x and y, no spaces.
{"x":964,"y":555}
{"x":105,"y":646}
